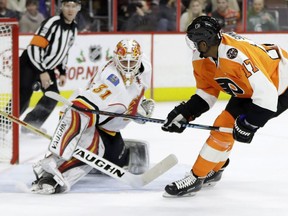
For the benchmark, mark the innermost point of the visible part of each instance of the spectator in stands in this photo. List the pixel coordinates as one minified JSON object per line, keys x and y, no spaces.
{"x":32,"y":18}
{"x":43,"y":9}
{"x":194,"y":10}
{"x":123,"y":14}
{"x":233,"y":4}
{"x":17,"y":5}
{"x":142,"y":18}
{"x":259,"y":19}
{"x":207,"y":6}
{"x":167,"y":15}
{"x":5,"y":12}
{"x":154,"y":7}
{"x":228,"y":18}
{"x":83,"y":20}
{"x":154,"y":2}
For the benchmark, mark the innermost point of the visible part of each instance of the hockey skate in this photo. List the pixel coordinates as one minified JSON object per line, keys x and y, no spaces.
{"x":185,"y":187}
{"x":213,"y":177}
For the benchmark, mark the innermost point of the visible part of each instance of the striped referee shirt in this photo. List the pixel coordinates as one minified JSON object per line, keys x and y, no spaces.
{"x":51,"y":43}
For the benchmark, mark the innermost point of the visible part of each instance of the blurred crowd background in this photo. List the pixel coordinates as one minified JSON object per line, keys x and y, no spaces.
{"x":154,"y":15}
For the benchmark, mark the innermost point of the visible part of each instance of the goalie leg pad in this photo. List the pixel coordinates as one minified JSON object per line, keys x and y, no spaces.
{"x":77,"y":173}
{"x":138,"y":156}
{"x":68,"y":133}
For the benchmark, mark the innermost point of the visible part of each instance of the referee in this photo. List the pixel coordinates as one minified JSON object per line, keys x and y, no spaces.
{"x":47,"y":51}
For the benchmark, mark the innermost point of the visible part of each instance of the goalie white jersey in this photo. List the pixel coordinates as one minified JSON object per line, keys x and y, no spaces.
{"x":109,"y":93}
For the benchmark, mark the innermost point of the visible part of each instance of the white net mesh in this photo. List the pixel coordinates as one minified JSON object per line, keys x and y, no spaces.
{"x":6,"y":64}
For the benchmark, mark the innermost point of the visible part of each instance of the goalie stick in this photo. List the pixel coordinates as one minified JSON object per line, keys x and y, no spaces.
{"x":106,"y":166}
{"x":63,"y":100}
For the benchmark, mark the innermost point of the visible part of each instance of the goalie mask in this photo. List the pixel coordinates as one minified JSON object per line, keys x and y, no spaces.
{"x":127,"y":58}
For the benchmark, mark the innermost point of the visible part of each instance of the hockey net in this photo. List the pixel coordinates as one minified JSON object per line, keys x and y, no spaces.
{"x":9,"y":90}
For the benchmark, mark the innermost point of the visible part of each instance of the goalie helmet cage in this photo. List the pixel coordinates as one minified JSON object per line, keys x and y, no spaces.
{"x":9,"y":89}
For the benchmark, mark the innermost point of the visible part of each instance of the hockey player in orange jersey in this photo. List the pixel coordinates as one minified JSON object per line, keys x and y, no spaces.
{"x":256,"y":77}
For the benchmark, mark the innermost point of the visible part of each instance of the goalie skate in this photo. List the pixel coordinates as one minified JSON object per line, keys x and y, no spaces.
{"x":45,"y":185}
{"x":188,"y":186}
{"x":49,"y":180}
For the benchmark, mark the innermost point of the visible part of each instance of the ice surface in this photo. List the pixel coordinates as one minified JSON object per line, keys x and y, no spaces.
{"x":255,"y":182}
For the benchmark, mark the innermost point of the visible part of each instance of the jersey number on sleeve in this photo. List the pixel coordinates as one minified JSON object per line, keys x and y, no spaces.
{"x":249,"y":68}
{"x":103,"y":91}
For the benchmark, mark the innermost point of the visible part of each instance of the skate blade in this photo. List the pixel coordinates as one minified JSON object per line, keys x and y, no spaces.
{"x":45,"y":190}
{"x":166,"y":195}
{"x":209,"y":185}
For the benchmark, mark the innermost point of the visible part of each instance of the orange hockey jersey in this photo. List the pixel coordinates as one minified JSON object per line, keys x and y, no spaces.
{"x":243,"y":69}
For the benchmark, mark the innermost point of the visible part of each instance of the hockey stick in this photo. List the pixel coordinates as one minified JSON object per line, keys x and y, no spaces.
{"x":63,"y":100}
{"x":106,"y":166}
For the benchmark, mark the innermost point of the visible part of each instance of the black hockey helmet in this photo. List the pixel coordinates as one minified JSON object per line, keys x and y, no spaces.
{"x":204,"y":28}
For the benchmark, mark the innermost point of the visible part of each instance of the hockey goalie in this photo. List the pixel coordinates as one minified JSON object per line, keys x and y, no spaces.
{"x":118,"y":87}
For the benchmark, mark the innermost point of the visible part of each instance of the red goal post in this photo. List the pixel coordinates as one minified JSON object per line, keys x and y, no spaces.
{"x":9,"y":89}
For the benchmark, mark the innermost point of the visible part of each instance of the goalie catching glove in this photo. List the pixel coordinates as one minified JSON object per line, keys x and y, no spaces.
{"x":145,"y":109}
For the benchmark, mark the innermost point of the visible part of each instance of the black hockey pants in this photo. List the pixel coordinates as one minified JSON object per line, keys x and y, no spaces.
{"x":28,"y":77}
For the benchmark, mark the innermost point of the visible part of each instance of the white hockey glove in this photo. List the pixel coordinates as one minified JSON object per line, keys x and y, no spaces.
{"x":145,"y":109}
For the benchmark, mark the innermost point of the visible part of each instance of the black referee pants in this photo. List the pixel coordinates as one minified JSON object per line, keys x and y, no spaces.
{"x":28,"y":77}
